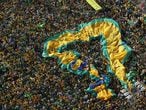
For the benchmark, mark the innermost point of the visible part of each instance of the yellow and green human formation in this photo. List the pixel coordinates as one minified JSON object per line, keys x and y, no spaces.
{"x":114,"y":50}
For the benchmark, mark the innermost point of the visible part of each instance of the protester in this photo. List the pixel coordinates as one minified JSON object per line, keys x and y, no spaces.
{"x":29,"y":81}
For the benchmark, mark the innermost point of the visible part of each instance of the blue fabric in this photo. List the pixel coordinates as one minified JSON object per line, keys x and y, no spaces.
{"x":83,"y":65}
{"x":92,"y":86}
{"x":99,"y":82}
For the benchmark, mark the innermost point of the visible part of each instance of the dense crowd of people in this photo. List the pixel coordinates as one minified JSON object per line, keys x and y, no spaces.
{"x":29,"y":81}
